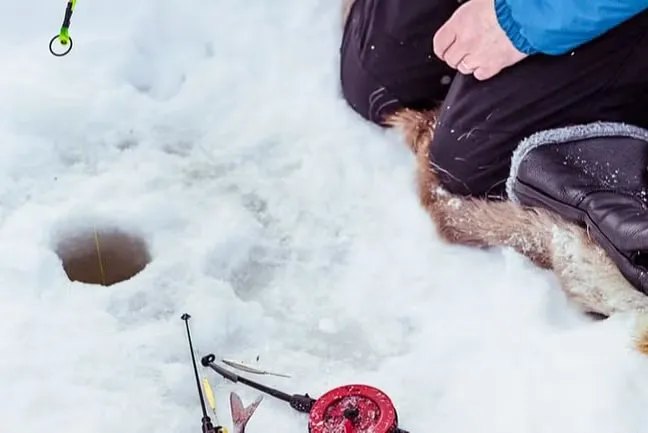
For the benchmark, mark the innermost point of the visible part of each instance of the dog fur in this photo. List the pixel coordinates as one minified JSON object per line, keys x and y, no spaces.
{"x":585,"y":272}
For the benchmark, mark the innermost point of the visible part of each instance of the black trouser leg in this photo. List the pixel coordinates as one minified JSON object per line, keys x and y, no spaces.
{"x":387,"y":61}
{"x":482,"y":122}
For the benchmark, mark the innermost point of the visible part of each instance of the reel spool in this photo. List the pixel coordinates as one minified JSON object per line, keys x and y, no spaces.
{"x":353,"y":409}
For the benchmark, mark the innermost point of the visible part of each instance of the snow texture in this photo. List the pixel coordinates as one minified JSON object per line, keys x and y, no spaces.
{"x":288,"y":228}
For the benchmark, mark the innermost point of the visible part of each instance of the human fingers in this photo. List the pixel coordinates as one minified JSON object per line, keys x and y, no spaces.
{"x":454,"y":55}
{"x":443,"y":40}
{"x":486,"y":72}
{"x":466,"y":65}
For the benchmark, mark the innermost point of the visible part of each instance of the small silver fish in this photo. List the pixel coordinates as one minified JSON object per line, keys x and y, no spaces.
{"x":244,"y":367}
{"x":240,"y":414}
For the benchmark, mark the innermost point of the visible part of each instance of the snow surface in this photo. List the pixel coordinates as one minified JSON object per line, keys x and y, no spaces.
{"x":285,"y":225}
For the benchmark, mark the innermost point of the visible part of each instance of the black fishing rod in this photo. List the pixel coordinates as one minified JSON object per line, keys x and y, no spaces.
{"x":301,"y":403}
{"x":207,"y":426}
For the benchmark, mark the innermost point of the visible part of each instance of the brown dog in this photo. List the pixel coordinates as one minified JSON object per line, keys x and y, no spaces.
{"x":586,"y":274}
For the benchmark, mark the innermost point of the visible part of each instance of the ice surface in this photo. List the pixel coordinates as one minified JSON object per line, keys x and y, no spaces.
{"x":286,"y":226}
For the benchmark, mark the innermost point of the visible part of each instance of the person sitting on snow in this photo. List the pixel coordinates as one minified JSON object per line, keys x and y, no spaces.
{"x":542,"y":102}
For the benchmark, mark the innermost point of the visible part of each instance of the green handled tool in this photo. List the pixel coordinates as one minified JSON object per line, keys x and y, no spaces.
{"x":64,"y":36}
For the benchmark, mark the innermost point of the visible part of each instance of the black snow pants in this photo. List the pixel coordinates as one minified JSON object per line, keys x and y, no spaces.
{"x":387,"y":63}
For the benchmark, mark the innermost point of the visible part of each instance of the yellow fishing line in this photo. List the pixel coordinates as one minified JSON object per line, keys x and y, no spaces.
{"x":102,"y":270}
{"x":101,"y":265}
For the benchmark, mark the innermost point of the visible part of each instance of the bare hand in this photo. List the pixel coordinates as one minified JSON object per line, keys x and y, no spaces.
{"x":473,"y":42}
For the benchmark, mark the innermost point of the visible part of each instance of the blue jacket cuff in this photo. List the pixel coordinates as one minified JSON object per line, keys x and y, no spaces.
{"x":512,"y":28}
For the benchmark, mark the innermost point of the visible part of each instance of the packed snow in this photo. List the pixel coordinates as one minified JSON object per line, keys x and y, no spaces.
{"x":284,"y":224}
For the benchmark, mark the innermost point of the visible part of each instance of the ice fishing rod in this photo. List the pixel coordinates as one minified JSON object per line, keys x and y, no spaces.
{"x":64,"y":34}
{"x":207,"y":426}
{"x":301,"y":403}
{"x":347,"y":409}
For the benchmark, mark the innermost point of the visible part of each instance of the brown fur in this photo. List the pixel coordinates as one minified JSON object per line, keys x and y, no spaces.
{"x":470,"y":221}
{"x":585,"y":272}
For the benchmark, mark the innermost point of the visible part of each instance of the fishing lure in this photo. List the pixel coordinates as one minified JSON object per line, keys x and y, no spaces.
{"x":240,"y":414}
{"x":248,"y":368}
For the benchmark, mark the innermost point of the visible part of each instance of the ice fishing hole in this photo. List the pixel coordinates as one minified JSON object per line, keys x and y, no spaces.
{"x":103,"y":256}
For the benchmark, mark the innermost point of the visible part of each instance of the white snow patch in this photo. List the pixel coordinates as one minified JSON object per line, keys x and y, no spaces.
{"x":288,"y":228}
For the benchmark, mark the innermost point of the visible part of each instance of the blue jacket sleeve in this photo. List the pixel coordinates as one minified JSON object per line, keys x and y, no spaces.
{"x":558,"y":26}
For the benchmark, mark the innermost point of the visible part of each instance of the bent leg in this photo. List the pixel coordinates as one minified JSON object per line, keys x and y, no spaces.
{"x":482,"y":122}
{"x":387,"y":62}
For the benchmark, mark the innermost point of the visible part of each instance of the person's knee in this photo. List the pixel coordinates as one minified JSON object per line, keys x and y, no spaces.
{"x":359,"y":86}
{"x":368,"y":97}
{"x":381,"y":72}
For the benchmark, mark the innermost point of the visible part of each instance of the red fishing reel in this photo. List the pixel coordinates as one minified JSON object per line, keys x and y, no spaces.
{"x":346,"y":409}
{"x":353,"y":409}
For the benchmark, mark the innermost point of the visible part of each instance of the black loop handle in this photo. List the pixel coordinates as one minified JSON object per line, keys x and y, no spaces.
{"x":51,"y":47}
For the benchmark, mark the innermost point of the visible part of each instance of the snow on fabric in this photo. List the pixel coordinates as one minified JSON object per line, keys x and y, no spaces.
{"x":287,"y":227}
